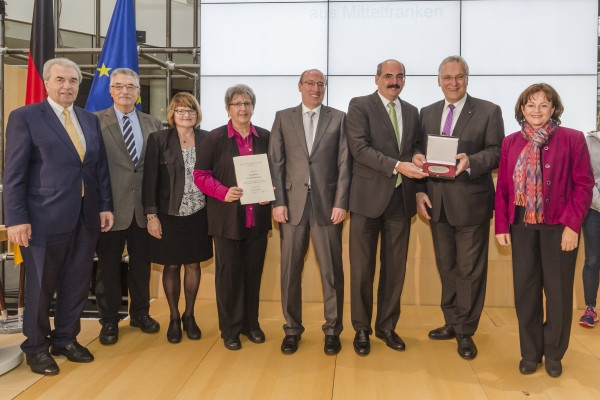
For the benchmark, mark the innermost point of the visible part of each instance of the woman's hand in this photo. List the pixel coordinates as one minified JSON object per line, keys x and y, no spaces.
{"x":233,"y":194}
{"x":154,"y":227}
{"x":569,"y":239}
{"x":503,"y":239}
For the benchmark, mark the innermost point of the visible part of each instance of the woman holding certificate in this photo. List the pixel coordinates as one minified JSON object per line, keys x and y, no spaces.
{"x":176,"y":210}
{"x":544,"y":192}
{"x":239,"y":231}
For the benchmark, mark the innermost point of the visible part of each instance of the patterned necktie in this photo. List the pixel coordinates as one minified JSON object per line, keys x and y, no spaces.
{"x":309,"y":129}
{"x":448,"y":124}
{"x":129,"y":139}
{"x":74,"y":136}
{"x":394,"y":118}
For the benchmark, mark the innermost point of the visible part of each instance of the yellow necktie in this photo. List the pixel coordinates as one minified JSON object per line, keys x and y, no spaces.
{"x":394,"y":118}
{"x":72,"y":131}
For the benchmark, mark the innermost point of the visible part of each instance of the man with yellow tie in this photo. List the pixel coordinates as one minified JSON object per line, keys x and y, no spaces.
{"x":57,"y":200}
{"x":382,"y":132}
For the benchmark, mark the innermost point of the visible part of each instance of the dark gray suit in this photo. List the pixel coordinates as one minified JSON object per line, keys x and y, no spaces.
{"x":309,"y":208}
{"x":129,"y":226}
{"x":379,"y":208}
{"x":462,"y":209}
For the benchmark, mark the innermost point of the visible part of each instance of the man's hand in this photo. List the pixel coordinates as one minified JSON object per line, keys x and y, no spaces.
{"x":280,"y":214}
{"x":422,"y":201}
{"x":107,"y":220}
{"x":233,"y":194}
{"x":419,"y":160}
{"x":410,"y":170}
{"x":463,"y":163}
{"x":19,"y":234}
{"x":569,"y":239}
{"x":337,"y":215}
{"x":504,"y":239}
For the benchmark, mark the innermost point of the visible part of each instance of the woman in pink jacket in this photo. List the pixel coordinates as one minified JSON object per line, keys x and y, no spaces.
{"x":544,"y":192}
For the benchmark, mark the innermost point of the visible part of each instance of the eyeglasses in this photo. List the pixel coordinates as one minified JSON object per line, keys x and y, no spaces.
{"x":457,"y":78}
{"x":129,"y":88}
{"x":246,"y":104}
{"x":399,"y":77}
{"x":313,"y":84}
{"x":182,"y":112}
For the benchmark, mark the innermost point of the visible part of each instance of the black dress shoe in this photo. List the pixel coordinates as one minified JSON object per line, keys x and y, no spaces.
{"x":233,"y":343}
{"x":146,"y":323}
{"x":74,"y":352}
{"x":466,"y":347}
{"x":290,"y":344}
{"x":255,"y":335}
{"x":527,"y":367}
{"x":109,"y":334}
{"x":442,"y":333}
{"x":553,"y":368}
{"x":362,"y":344}
{"x":391,"y":339}
{"x":332,"y":344}
{"x":42,"y":363}
{"x":174,"y":331}
{"x":191,"y":328}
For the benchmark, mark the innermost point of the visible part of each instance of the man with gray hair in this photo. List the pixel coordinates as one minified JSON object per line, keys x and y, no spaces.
{"x":57,"y":200}
{"x":125,"y":131}
{"x":460,"y":209}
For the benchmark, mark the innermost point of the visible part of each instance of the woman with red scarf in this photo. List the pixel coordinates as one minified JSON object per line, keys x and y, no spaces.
{"x":544,"y":192}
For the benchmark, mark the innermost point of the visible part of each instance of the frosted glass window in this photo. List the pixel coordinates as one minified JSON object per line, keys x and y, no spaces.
{"x":259,"y":39}
{"x":530,"y":37}
{"x":577,"y":93}
{"x":272,"y":94}
{"x":418,"y":33}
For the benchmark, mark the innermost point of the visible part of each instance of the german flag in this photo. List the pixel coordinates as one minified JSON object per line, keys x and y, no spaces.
{"x":41,"y":49}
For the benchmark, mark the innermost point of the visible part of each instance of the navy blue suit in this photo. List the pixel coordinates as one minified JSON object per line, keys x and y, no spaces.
{"x":42,"y":187}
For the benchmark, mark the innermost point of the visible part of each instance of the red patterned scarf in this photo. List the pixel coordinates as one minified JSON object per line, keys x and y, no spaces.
{"x":527,"y":175}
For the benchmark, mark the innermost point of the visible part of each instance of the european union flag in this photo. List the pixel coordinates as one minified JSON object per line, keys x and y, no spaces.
{"x":119,"y":51}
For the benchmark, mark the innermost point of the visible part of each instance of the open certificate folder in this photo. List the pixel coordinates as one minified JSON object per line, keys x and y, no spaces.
{"x":254,"y":177}
{"x":441,"y":151}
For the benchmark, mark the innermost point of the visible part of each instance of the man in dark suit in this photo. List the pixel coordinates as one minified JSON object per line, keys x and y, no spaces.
{"x":382,"y":135}
{"x":125,"y":130}
{"x":310,"y":165}
{"x":57,"y":199}
{"x":460,"y":210}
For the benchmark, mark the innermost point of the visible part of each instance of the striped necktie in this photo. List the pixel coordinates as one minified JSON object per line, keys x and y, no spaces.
{"x":129,"y":139}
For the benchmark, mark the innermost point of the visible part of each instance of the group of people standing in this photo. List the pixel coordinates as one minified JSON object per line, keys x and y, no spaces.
{"x":174,"y":192}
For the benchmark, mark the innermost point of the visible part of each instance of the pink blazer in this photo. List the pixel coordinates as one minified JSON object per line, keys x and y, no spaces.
{"x":567,"y":177}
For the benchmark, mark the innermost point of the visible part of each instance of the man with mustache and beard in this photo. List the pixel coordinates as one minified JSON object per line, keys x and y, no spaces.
{"x":382,"y":133}
{"x":125,"y":131}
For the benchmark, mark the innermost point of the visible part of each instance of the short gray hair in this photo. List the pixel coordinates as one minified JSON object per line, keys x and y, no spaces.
{"x":63,"y":62}
{"x":126,"y":72}
{"x":240,"y":89}
{"x":450,"y":59}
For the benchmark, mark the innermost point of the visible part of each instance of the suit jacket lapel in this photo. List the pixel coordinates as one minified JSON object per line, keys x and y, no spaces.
{"x":115,"y":130}
{"x":324,"y":118}
{"x":298,"y":127}
{"x":383,"y":115}
{"x":57,"y":127}
{"x":463,"y":118}
{"x":146,"y":131}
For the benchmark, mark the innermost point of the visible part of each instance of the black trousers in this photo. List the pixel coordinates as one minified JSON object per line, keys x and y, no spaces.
{"x":61,"y":264}
{"x":108,"y":277}
{"x":540,"y":268}
{"x":238,"y":272}
{"x":394,"y":228}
